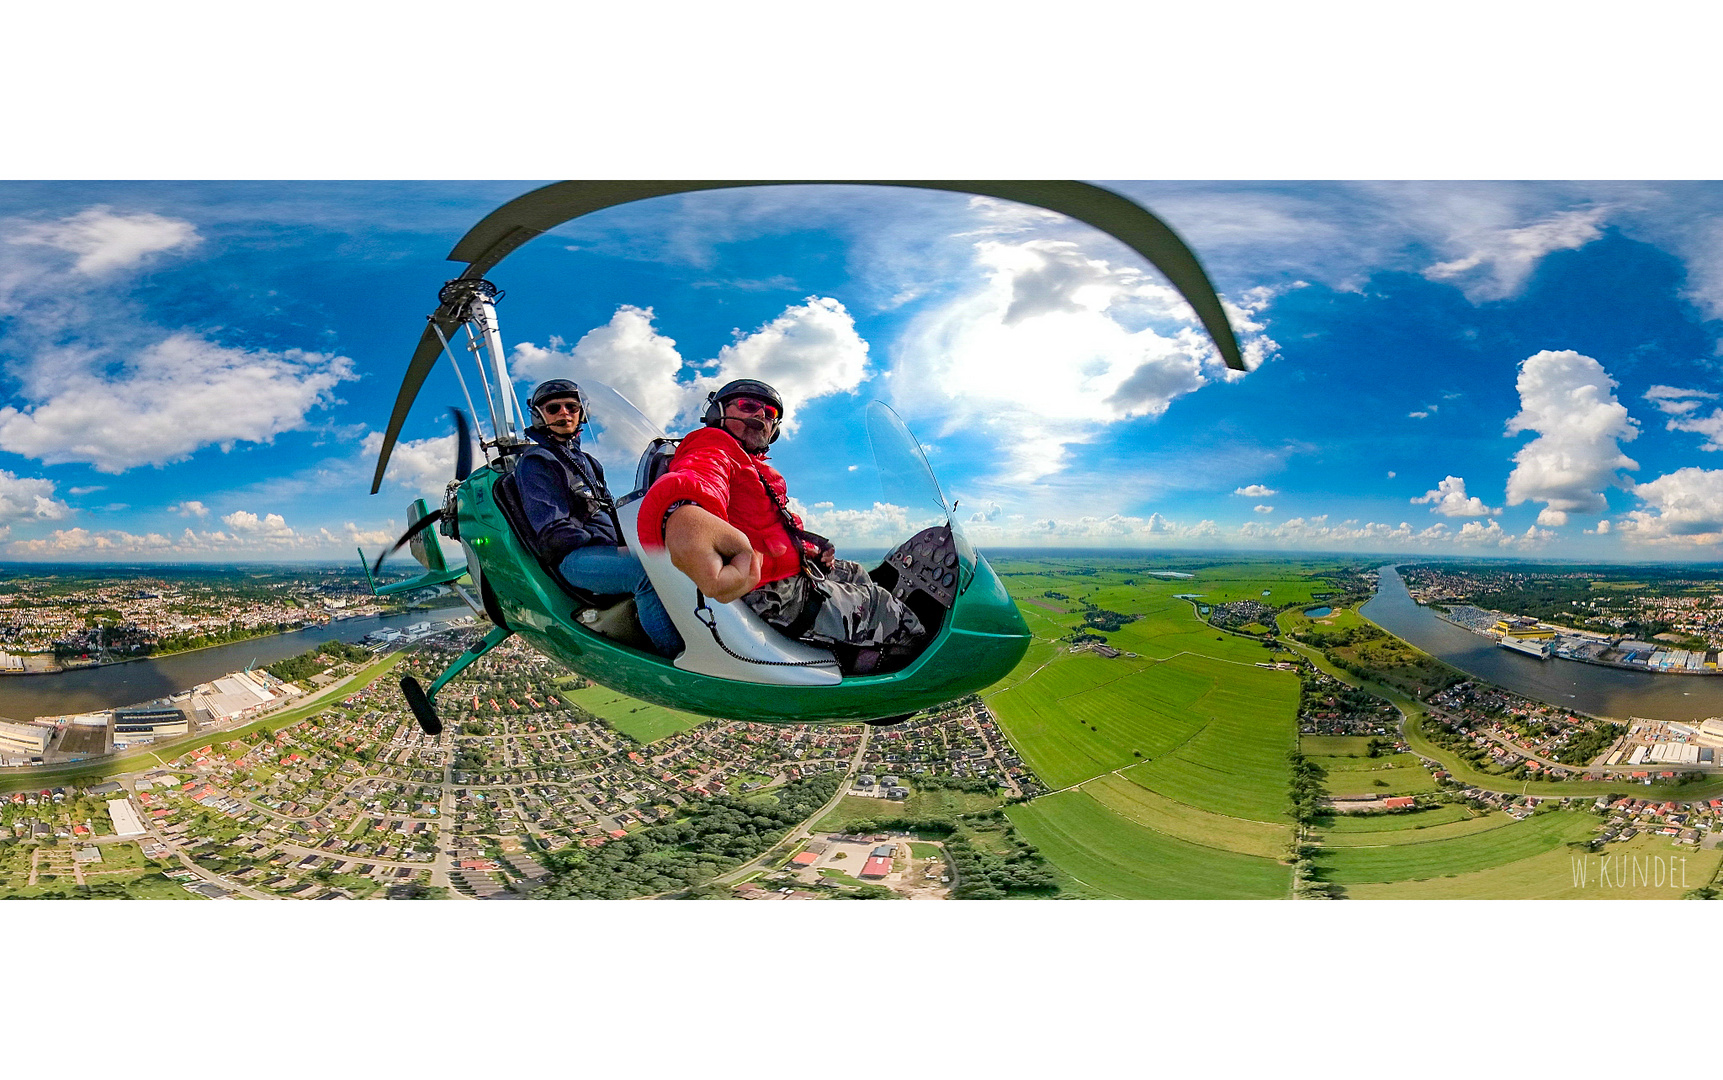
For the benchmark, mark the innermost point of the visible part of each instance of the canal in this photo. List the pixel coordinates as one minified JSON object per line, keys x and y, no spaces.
{"x":23,"y":697}
{"x":1601,"y":691}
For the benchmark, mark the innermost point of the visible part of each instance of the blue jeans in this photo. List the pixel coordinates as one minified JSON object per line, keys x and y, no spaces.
{"x":604,"y":569}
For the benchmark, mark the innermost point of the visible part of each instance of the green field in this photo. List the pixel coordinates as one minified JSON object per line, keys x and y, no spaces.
{"x":1321,"y":746}
{"x":932,"y":803}
{"x":1432,"y":831}
{"x":1348,"y":824}
{"x":1552,"y":875}
{"x":636,"y":719}
{"x":1385,"y":780}
{"x":1182,"y":822}
{"x":1099,"y":854}
{"x":1439,"y":858}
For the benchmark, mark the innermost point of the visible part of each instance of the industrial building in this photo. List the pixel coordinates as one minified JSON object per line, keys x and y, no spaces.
{"x":24,"y":740}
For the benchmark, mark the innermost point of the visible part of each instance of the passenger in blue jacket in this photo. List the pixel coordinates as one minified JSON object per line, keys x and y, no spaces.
{"x":568,"y":509}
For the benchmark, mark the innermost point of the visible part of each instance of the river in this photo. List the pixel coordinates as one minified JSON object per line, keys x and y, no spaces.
{"x":89,"y":689}
{"x":1601,"y":691}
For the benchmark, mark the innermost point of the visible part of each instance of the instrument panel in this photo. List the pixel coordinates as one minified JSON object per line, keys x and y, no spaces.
{"x":927,"y":562}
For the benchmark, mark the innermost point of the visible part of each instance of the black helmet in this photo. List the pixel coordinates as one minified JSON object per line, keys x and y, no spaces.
{"x":559,"y":388}
{"x":735,"y":388}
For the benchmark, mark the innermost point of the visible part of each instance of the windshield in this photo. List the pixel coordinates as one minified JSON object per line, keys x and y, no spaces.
{"x":905,"y":478}
{"x":616,"y":434}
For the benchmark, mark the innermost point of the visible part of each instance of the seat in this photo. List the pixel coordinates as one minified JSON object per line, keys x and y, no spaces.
{"x":610,"y":621}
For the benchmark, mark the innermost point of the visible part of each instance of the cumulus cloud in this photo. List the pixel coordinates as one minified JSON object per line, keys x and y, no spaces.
{"x":1051,"y":344}
{"x":424,"y":466}
{"x":190,"y":508}
{"x":1262,"y":508}
{"x":25,"y":498}
{"x":1569,"y":401}
{"x":179,"y":394}
{"x":246,"y":523}
{"x":247,"y":535}
{"x":882,"y":523}
{"x":1601,"y":530}
{"x":1256,"y":491}
{"x":1480,"y":533}
{"x":1501,"y":259}
{"x":809,"y":351}
{"x":1684,"y":507}
{"x":1449,"y":499}
{"x":1681,"y":407}
{"x":627,"y":353}
{"x":104,"y":241}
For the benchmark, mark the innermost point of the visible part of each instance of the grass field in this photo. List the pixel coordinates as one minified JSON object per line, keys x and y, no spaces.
{"x":1433,"y":831}
{"x":1341,"y":825}
{"x":1182,"y":822}
{"x":1387,"y":780}
{"x":1320,"y":746}
{"x":636,"y":719}
{"x":1632,"y":873}
{"x":1099,"y":854}
{"x":933,"y":803}
{"x":1440,"y":858}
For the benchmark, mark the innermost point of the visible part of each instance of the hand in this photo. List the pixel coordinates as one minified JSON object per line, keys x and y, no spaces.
{"x":714,"y":554}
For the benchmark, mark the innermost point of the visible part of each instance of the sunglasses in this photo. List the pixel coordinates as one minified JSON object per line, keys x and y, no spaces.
{"x":552,"y":408}
{"x":748,"y":406}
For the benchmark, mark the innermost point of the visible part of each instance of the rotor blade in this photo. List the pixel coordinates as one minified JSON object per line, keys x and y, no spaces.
{"x":516,"y":222}
{"x":407,"y":537}
{"x":424,"y":358}
{"x":463,"y":446}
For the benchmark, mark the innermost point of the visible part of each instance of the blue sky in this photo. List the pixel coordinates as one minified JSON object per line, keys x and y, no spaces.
{"x":199,"y":371}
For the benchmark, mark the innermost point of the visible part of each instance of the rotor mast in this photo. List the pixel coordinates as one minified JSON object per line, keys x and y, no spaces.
{"x":474,"y":301}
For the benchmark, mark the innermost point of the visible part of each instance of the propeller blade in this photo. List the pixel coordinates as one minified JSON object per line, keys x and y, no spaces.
{"x":463,"y":446}
{"x":407,"y":537}
{"x":424,"y":358}
{"x":516,"y":222}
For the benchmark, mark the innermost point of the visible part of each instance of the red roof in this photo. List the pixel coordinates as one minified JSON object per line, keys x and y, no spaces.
{"x":877,"y":866}
{"x":806,"y":858}
{"x":1397,"y":803}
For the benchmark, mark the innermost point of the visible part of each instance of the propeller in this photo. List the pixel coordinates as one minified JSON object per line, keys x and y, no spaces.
{"x":413,"y":530}
{"x":463,"y":446}
{"x":463,"y":469}
{"x":518,"y":221}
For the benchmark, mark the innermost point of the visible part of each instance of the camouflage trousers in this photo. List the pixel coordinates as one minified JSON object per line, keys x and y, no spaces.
{"x":856,"y":611}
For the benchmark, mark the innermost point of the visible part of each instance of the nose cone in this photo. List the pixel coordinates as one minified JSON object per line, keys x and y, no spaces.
{"x":986,"y":608}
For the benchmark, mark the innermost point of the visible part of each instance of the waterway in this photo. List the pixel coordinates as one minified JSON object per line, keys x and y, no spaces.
{"x":1589,"y":688}
{"x":89,"y":689}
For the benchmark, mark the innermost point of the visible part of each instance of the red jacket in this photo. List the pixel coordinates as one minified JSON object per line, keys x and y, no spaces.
{"x":712,"y":469}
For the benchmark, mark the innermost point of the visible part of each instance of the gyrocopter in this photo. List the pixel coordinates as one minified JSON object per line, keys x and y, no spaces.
{"x":733,"y":664}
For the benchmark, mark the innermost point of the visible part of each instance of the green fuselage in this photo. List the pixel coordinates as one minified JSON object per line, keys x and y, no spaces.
{"x":981,"y":640}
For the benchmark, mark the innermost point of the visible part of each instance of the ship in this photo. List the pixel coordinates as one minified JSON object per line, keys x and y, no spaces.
{"x":1530,"y":646}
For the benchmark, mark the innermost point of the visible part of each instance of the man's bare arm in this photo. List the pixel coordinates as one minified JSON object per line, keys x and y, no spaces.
{"x":714,"y":554}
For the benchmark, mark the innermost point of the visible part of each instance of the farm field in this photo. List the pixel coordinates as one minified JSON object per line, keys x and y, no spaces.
{"x":636,"y":719}
{"x":1391,"y":780}
{"x":1632,"y":874}
{"x":1321,"y":746}
{"x":1099,"y":854}
{"x":937,"y":802}
{"x":1187,"y":823}
{"x":1440,"y":831}
{"x":1456,"y":855}
{"x":1345,"y":825}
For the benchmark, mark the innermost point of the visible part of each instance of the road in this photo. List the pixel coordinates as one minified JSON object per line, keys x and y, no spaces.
{"x":806,"y":827}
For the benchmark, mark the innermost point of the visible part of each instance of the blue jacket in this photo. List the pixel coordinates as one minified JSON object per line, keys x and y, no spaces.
{"x":563,"y":494}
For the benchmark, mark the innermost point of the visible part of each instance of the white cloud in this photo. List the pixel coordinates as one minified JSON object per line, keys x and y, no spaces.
{"x":105,"y":241}
{"x":190,"y":508}
{"x":423,"y":466}
{"x":882,"y":523}
{"x":1680,"y":405}
{"x":1480,"y":533}
{"x":90,"y":490}
{"x":248,"y":536}
{"x":1450,"y":500}
{"x":1256,"y":491}
{"x":1392,"y":474}
{"x":245,"y":523}
{"x":810,"y":351}
{"x":1602,"y":528}
{"x":1419,"y":415}
{"x":626,"y":353}
{"x":1050,"y":345}
{"x":1569,"y":400}
{"x":1264,"y":509}
{"x":1500,"y":260}
{"x":1684,"y":507}
{"x":179,"y":394}
{"x":29,"y":499}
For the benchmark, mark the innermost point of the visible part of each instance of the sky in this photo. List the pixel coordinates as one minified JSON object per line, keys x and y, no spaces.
{"x":200,"y":371}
